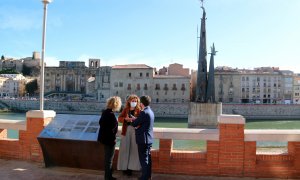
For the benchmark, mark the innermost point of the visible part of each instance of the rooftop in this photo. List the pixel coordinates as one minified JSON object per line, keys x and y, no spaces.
{"x":132,"y":66}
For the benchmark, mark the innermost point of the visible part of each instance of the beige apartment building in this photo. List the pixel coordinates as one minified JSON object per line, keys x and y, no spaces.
{"x":171,"y":88}
{"x":141,"y":79}
{"x":227,"y":85}
{"x":296,"y":92}
{"x":261,"y":85}
{"x":131,"y":79}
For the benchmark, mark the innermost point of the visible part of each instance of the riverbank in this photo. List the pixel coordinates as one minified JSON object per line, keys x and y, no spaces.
{"x":172,"y":110}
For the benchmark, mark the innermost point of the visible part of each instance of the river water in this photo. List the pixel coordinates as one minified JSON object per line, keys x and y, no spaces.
{"x":183,"y":123}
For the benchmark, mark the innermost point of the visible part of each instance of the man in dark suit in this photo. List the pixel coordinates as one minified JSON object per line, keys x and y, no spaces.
{"x":144,"y":136}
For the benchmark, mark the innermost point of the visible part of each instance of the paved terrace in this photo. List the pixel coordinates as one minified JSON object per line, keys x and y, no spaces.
{"x":18,"y":170}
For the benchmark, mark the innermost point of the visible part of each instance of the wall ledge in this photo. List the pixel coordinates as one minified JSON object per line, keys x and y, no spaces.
{"x":40,"y":114}
{"x":231,"y":119}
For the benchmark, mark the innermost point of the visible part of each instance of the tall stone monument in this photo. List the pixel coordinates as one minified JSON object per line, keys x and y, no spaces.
{"x":204,"y":111}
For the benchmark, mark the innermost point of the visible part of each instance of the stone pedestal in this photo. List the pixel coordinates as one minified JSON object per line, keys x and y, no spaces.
{"x":204,"y":115}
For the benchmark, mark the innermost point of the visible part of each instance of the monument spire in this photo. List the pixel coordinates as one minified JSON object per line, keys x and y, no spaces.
{"x":211,"y":77}
{"x":201,"y":88}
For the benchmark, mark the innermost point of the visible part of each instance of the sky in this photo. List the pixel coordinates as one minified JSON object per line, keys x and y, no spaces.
{"x":246,"y":33}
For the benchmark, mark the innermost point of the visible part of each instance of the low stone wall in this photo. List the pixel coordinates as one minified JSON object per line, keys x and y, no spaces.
{"x":172,"y":110}
{"x":264,"y":111}
{"x":177,"y":110}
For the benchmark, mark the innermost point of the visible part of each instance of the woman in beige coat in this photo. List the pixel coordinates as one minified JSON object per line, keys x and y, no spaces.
{"x":128,"y":153}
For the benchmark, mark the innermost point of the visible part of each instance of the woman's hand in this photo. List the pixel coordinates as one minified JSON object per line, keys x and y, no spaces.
{"x":128,"y":119}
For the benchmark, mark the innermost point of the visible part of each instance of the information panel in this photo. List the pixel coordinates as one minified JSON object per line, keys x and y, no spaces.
{"x":75,"y":127}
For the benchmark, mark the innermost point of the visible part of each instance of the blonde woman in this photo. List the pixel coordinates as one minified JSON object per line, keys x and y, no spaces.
{"x":107,"y":133}
{"x":128,"y":153}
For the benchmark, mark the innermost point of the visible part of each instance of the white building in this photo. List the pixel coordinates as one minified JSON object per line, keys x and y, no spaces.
{"x":12,"y":85}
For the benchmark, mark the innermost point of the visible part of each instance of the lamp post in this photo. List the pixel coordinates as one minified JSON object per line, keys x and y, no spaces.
{"x":45,"y":2}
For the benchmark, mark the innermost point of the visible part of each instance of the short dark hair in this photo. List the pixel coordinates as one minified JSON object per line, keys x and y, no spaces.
{"x":146,"y":100}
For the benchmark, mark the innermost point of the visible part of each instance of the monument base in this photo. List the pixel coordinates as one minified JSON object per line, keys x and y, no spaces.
{"x":204,"y":115}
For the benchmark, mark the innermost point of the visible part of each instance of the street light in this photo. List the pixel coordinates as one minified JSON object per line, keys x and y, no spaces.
{"x":45,"y":2}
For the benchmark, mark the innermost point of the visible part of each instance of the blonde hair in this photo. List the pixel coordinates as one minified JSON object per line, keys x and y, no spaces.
{"x":114,"y":103}
{"x":131,"y":97}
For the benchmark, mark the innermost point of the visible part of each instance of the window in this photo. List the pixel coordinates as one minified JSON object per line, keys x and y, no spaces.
{"x":116,"y":84}
{"x":141,"y":74}
{"x":145,"y":87}
{"x":120,"y":84}
{"x":138,"y":86}
{"x":182,"y":87}
{"x":129,"y":74}
{"x":147,"y":74}
{"x":129,"y":87}
{"x":157,"y":87}
{"x":174,"y":87}
{"x":157,"y":100}
{"x":166,"y":87}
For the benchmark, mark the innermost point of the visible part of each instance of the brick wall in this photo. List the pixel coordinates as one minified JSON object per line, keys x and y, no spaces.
{"x":230,"y":155}
{"x":27,"y":146}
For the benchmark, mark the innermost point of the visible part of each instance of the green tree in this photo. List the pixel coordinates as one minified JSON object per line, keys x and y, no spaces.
{"x":31,"y":87}
{"x":2,"y":57}
{"x":9,"y":71}
{"x":26,"y":71}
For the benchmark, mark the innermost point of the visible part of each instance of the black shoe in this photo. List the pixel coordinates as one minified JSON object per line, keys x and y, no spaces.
{"x":129,"y":172}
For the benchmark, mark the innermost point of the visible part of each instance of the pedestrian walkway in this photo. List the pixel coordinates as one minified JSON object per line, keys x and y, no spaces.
{"x":19,"y":170}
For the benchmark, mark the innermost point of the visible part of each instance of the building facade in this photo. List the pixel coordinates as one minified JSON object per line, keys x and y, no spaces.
{"x":287,"y":80}
{"x":131,"y":79}
{"x":70,"y":76}
{"x":141,"y":80}
{"x":296,"y":88}
{"x":12,"y":85}
{"x":227,"y":85}
{"x":171,"y":88}
{"x":261,"y":85}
